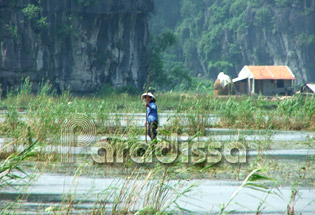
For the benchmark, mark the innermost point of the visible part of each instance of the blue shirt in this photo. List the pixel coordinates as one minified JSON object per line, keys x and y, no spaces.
{"x":152,"y":112}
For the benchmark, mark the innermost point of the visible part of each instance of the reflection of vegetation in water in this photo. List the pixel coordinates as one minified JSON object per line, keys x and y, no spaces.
{"x":138,"y":193}
{"x":152,"y":193}
{"x":252,"y":182}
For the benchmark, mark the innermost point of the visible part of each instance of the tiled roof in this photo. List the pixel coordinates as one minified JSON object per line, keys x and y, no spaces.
{"x":271,"y":72}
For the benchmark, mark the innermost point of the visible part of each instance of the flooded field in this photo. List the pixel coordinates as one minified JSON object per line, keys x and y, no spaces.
{"x":83,"y":187}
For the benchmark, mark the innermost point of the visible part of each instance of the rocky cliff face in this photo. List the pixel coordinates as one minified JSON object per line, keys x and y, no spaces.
{"x":80,"y":44}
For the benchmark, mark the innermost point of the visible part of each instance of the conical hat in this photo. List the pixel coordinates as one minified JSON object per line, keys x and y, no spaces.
{"x":147,"y":94}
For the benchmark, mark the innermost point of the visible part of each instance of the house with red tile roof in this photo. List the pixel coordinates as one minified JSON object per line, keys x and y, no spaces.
{"x":265,"y":80}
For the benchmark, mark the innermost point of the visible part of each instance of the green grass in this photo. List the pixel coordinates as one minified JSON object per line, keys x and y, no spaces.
{"x":13,"y":161}
{"x":45,"y":112}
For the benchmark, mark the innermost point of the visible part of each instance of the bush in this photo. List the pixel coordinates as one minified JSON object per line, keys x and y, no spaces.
{"x":264,"y":18}
{"x":33,"y":13}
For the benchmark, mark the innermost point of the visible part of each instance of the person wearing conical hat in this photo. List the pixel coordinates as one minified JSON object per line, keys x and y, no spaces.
{"x":152,"y":114}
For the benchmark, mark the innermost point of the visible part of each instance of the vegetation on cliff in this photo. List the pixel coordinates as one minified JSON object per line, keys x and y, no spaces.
{"x":223,"y":35}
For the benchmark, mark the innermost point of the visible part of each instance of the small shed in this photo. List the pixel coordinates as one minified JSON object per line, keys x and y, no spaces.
{"x":307,"y":89}
{"x":267,"y":80}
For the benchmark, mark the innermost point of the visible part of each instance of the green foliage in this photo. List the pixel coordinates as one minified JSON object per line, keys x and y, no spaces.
{"x":13,"y":3}
{"x":251,"y":113}
{"x":282,"y":3}
{"x":180,"y":79}
{"x":32,"y":11}
{"x":159,"y":77}
{"x":201,"y":85}
{"x":162,"y":42}
{"x":175,"y":78}
{"x":220,"y":66}
{"x":151,"y":211}
{"x":164,"y":8}
{"x":220,"y":10}
{"x":306,"y":40}
{"x":7,"y":174}
{"x":26,"y":87}
{"x":189,"y":8}
{"x":13,"y":30}
{"x":210,"y":44}
{"x":238,"y":7}
{"x":227,"y":20}
{"x":63,"y":31}
{"x":196,"y":39}
{"x":41,"y":23}
{"x":210,"y":32}
{"x":106,"y":89}
{"x":264,"y":18}
{"x":46,"y":111}
{"x":34,"y":14}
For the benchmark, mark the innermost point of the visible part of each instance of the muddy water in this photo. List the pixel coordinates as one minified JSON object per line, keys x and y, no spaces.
{"x":138,"y":119}
{"x":283,"y":144}
{"x":295,"y":148}
{"x":278,"y":153}
{"x":51,"y":189}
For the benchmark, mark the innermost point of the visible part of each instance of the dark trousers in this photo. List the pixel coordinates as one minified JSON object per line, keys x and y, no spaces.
{"x":153,"y":129}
